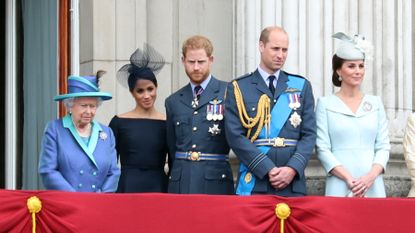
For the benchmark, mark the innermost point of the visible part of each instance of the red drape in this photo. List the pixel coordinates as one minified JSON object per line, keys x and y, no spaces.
{"x":89,"y":212}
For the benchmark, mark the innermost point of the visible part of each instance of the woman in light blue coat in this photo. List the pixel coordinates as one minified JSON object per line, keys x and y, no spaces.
{"x":352,"y":130}
{"x":78,"y":154}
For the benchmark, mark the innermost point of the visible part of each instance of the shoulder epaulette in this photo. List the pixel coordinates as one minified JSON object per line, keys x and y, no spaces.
{"x":244,"y":76}
{"x":296,"y":75}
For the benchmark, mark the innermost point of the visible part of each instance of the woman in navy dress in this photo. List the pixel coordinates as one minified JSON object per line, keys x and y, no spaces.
{"x":141,"y":133}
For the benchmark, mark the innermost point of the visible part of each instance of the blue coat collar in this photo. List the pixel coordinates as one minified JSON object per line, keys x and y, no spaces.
{"x":96,"y":131}
{"x":368,"y":105}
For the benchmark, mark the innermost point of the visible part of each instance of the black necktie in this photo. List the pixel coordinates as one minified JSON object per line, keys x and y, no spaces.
{"x":271,"y":84}
{"x":198,"y":91}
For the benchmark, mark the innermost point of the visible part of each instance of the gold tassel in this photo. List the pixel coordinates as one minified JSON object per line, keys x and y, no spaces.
{"x":34,"y":205}
{"x":263,"y":113}
{"x":282,"y":211}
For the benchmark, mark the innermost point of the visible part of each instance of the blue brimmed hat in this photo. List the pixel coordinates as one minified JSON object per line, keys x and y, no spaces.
{"x":83,"y":86}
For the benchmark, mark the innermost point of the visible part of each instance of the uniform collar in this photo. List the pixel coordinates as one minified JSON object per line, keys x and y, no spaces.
{"x":265,"y":74}
{"x":203,"y":84}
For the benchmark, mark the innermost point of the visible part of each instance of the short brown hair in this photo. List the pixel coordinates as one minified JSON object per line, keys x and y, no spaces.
{"x":264,"y":37}
{"x":197,"y":42}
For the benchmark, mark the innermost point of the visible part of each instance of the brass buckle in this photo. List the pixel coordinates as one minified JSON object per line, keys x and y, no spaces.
{"x":194,"y":156}
{"x":279,"y":142}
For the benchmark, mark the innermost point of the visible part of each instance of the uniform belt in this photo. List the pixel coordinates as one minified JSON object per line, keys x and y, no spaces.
{"x":196,"y":156}
{"x":276,"y":142}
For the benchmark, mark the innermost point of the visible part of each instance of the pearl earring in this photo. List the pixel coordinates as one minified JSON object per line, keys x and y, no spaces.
{"x":340,"y":78}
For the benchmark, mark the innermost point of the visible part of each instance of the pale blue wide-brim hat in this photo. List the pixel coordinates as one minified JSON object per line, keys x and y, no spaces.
{"x":353,"y":48}
{"x":83,"y":86}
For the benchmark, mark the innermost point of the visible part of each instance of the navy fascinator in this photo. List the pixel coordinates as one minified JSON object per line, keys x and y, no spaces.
{"x":144,"y":64}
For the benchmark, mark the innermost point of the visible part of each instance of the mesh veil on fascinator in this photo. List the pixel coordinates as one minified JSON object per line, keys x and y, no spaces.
{"x":353,"y":48}
{"x":144,"y":64}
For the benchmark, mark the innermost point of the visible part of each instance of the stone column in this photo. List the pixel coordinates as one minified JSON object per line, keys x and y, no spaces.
{"x":111,"y":30}
{"x":310,"y":24}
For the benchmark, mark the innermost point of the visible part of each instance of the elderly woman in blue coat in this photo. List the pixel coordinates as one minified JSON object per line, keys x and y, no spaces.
{"x":78,"y":154}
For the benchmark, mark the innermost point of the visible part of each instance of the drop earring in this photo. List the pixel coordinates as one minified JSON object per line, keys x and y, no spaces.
{"x":340,"y":78}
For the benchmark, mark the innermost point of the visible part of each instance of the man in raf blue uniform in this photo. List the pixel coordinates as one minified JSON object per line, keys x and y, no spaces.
{"x":270,"y":123}
{"x":195,"y":127}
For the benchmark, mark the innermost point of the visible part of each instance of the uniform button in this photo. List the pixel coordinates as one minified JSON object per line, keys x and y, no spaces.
{"x":93,"y":186}
{"x":80,"y":185}
{"x":275,"y":101}
{"x":177,"y":123}
{"x":253,"y":109}
{"x":81,"y":172}
{"x":223,"y":176}
{"x":94,"y":173}
{"x":194,"y":146}
{"x":169,"y":177}
{"x":195,"y":112}
{"x":194,"y":128}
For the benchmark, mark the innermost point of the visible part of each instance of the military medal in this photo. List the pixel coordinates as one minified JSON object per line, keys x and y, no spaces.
{"x":209,"y":112}
{"x":214,"y":108}
{"x":220,"y":112}
{"x":214,"y":130}
{"x":295,"y":119}
{"x":215,"y":111}
{"x":294,"y":99}
{"x":195,"y":103}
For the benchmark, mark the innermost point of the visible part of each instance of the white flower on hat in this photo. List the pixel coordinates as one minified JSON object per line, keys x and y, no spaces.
{"x":364,"y":46}
{"x":353,"y":48}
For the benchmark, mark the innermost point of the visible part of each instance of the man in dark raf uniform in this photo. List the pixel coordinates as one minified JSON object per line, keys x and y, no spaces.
{"x":270,"y":122}
{"x":195,"y":126}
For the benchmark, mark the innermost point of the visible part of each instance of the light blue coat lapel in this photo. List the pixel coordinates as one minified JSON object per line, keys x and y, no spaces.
{"x":88,"y":149}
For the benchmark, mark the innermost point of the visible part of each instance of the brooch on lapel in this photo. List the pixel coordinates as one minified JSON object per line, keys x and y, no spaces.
{"x":294,"y":104}
{"x":103,"y":135}
{"x":367,"y":106}
{"x":214,"y":110}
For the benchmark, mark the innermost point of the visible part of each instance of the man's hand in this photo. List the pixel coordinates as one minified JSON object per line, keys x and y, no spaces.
{"x":281,"y":177}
